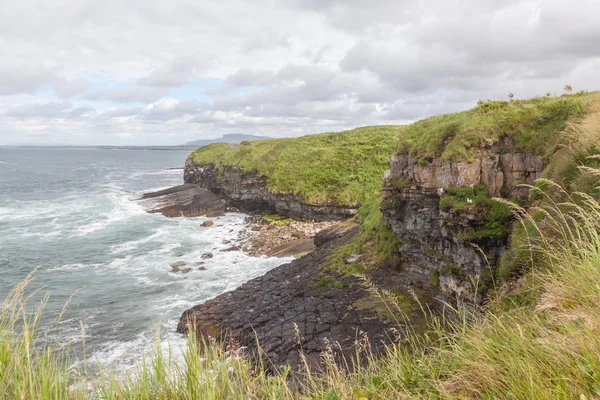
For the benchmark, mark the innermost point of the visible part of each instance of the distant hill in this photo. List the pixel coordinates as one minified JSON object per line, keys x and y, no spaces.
{"x":230,"y":138}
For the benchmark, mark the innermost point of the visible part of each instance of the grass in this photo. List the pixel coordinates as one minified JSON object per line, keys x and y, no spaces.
{"x":344,"y":167}
{"x":533,"y":125}
{"x":497,"y":215}
{"x":374,"y":241}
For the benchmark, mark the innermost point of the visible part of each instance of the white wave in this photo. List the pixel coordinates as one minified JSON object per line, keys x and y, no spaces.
{"x":74,"y":267}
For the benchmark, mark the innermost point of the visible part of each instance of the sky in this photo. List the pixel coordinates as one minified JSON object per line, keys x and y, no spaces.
{"x":139,"y":72}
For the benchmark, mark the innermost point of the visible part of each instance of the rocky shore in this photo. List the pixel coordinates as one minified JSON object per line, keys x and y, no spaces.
{"x":272,"y":239}
{"x":185,"y":200}
{"x":296,"y":310}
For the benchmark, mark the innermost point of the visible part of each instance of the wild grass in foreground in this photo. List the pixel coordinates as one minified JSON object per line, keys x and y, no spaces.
{"x":539,"y":341}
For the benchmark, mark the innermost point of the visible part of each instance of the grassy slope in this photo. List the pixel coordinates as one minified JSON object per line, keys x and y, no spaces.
{"x":344,"y":167}
{"x":534,"y":125}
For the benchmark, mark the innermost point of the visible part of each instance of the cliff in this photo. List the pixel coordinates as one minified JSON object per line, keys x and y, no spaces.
{"x":436,"y":229}
{"x":453,"y":244}
{"x":317,"y":177}
{"x":249,"y":191}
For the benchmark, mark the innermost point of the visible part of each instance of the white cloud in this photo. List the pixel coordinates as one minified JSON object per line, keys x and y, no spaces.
{"x":170,"y":72}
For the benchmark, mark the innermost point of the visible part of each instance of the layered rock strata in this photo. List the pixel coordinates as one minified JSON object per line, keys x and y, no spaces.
{"x":435,"y":242}
{"x":248,"y":191}
{"x":290,"y":311}
{"x":186,"y":200}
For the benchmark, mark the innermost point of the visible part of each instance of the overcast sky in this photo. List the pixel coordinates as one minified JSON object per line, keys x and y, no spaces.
{"x":149,"y":72}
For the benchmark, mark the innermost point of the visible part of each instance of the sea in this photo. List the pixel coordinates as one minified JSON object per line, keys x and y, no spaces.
{"x":71,"y":216}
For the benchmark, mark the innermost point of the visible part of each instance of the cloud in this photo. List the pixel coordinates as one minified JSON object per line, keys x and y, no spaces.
{"x":172,"y":72}
{"x":56,"y":109}
{"x":127,"y":94}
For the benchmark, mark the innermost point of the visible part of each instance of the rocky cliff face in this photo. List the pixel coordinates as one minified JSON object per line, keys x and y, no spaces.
{"x":440,"y":242}
{"x":248,"y":191}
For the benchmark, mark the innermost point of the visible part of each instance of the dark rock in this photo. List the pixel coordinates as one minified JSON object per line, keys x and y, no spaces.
{"x":199,"y":263}
{"x":208,"y":223}
{"x":248,"y":191}
{"x":178,"y":264}
{"x":328,"y":234}
{"x":202,"y":268}
{"x":435,"y":241}
{"x":184,"y":200}
{"x":232,"y":248}
{"x":269,"y":309}
{"x":226,"y":241}
{"x":255,"y":229}
{"x":186,"y":270}
{"x":207,"y":255}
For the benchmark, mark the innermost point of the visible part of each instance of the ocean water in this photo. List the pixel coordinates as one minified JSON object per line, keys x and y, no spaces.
{"x":73,"y":213}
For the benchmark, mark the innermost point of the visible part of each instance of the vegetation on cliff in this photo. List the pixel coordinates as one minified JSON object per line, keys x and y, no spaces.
{"x":344,"y":168}
{"x":532,"y":126}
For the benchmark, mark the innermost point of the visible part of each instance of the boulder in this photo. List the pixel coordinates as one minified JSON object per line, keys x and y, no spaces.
{"x":207,"y":255}
{"x":208,"y":223}
{"x":186,"y":200}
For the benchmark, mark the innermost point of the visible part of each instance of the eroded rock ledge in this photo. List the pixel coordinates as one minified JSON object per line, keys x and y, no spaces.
{"x":185,"y":200}
{"x":436,"y":242}
{"x":248,"y":191}
{"x":289,"y":309}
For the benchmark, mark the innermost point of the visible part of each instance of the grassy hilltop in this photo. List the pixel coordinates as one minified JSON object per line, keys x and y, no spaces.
{"x":343,"y":167}
{"x":538,"y":338}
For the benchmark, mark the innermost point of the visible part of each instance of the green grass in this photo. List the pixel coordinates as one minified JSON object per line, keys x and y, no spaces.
{"x":533,"y":125}
{"x":497,"y":215}
{"x":344,"y":168}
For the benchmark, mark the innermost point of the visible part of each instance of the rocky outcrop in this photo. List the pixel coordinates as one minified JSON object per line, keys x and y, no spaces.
{"x":184,"y":200}
{"x":436,"y":242}
{"x":248,"y":191}
{"x":299,"y":307}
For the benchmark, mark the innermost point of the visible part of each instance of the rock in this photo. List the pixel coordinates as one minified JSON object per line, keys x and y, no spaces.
{"x":328,"y":234}
{"x":435,"y":241}
{"x":255,"y":229}
{"x":208,"y":223}
{"x":202,"y":268}
{"x":186,"y":270}
{"x":178,"y":264}
{"x":232,"y":248}
{"x":352,"y":259}
{"x":226,"y":241}
{"x":268,"y":309}
{"x":248,"y":191}
{"x":488,"y":143}
{"x":214,"y":214}
{"x":174,"y":269}
{"x":206,"y":255}
{"x":199,"y":263}
{"x":187,"y":200}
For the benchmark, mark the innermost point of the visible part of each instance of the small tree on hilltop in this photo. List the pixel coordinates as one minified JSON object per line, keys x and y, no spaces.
{"x":511,"y":96}
{"x":549,"y":94}
{"x":568,"y":88}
